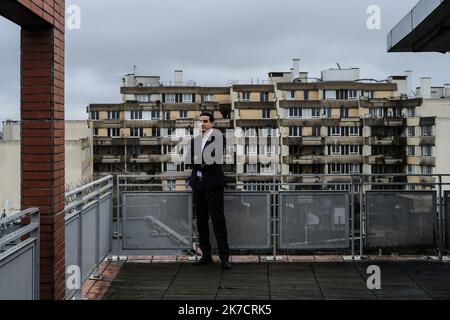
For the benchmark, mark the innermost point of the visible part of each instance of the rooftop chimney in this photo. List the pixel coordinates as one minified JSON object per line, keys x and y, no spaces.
{"x":408,"y":74}
{"x":425,"y":87}
{"x":295,"y":68}
{"x":178,"y":77}
{"x":447,"y":90}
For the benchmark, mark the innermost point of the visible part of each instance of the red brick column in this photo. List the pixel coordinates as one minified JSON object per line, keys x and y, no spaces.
{"x":42,"y":128}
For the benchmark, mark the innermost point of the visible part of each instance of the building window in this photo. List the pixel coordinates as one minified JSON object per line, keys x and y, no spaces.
{"x":143,"y":98}
{"x":295,"y":169}
{"x":113,"y":115}
{"x":411,"y":112}
{"x":295,"y":112}
{"x":95,"y":131}
{"x":354,"y":131}
{"x":426,"y":131}
{"x":354,"y":150}
{"x":154,"y":115}
{"x":316,"y":112}
{"x":411,"y":169}
{"x":166,"y":115}
{"x":306,"y":113}
{"x":187,"y":97}
{"x":352,"y":94}
{"x":268,"y":168}
{"x":95,"y":115}
{"x":291,"y":95}
{"x":183,"y":114}
{"x":326,"y":113}
{"x":335,"y":150}
{"x":427,"y":170}
{"x":170,"y":97}
{"x":266,"y":114}
{"x":136,"y":132}
{"x":171,"y":185}
{"x":269,"y":149}
{"x":426,"y":151}
{"x":171,"y":149}
{"x":252,"y":168}
{"x":330,"y":94}
{"x":250,"y":132}
{"x":295,"y":131}
{"x":355,"y":168}
{"x":251,"y":149}
{"x":344,"y":112}
{"x":136,"y":115}
{"x":376,"y":112}
{"x":367,"y":94}
{"x":113,"y":132}
{"x":207,"y":98}
{"x":268,"y":132}
{"x":316,"y":131}
{"x":411,"y":131}
{"x":264,"y":96}
{"x":335,"y":168}
{"x":171,"y":166}
{"x":411,"y":150}
{"x":245,"y":96}
{"x":295,"y":150}
{"x":156,"y":132}
{"x":135,"y":150}
{"x":306,"y":94}
{"x":335,"y":131}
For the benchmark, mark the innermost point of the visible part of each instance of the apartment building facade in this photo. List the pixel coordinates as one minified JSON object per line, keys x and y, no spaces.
{"x":291,"y":125}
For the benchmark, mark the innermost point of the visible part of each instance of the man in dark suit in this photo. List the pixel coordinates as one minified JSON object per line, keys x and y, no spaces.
{"x":207,"y":182}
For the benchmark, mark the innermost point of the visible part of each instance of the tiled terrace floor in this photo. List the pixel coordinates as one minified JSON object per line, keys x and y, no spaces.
{"x":297,"y":277}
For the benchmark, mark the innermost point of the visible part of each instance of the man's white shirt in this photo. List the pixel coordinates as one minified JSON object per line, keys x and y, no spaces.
{"x":205,"y":138}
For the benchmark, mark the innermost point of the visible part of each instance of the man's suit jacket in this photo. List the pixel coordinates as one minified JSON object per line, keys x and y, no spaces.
{"x":212,"y":173}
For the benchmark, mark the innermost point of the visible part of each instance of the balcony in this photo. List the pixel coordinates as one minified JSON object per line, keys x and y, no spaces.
{"x":344,"y":140}
{"x":150,"y":158}
{"x":255,"y":105}
{"x":427,"y":161}
{"x":256,"y":123}
{"x":427,"y":141}
{"x":386,"y":141}
{"x":386,"y":122}
{"x":386,"y":159}
{"x":108,"y":158}
{"x":148,"y":223}
{"x":312,"y":141}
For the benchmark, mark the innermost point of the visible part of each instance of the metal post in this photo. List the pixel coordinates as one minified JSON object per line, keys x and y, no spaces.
{"x":274,"y":225}
{"x":96,"y":273}
{"x":79,"y":210}
{"x":352,"y":201}
{"x":362,"y":218}
{"x":118,"y":213}
{"x":440,"y":225}
{"x":35,"y":218}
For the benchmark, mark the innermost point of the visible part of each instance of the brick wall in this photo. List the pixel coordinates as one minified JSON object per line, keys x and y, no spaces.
{"x":42,"y":129}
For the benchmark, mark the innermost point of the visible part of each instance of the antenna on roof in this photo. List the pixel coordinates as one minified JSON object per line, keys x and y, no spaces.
{"x":134,"y":69}
{"x":339,"y":66}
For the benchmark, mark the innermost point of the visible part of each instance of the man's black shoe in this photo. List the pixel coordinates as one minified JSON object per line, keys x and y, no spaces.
{"x":203,"y":260}
{"x":225,"y":264}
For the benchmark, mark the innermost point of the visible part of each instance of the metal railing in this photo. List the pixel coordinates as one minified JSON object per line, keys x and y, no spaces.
{"x":299,"y":218}
{"x":88,"y":232}
{"x":19,"y":256}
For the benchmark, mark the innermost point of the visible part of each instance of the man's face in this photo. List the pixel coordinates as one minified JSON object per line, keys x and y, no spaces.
{"x":205,"y":123}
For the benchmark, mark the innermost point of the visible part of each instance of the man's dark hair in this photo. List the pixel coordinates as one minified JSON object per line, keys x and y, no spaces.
{"x":211,"y":117}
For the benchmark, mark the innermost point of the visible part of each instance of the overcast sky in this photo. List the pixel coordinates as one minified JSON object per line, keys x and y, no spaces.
{"x":215,"y":41}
